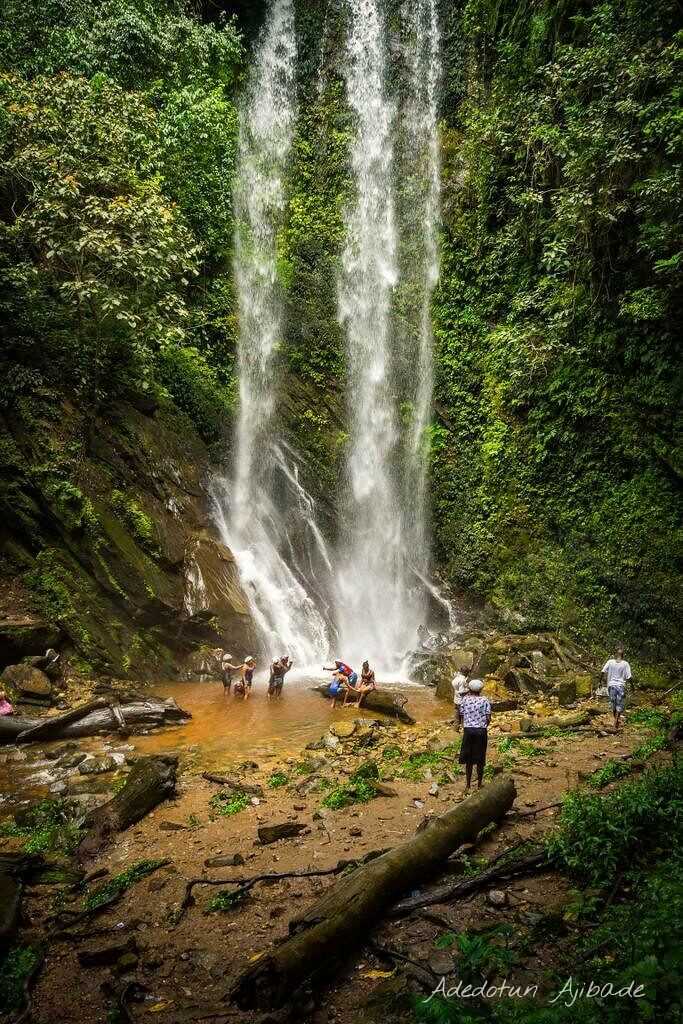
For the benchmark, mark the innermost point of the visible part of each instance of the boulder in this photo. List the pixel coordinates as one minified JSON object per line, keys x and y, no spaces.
{"x":27,"y":681}
{"x":566,"y":692}
{"x":342,"y":730}
{"x":97,"y":765}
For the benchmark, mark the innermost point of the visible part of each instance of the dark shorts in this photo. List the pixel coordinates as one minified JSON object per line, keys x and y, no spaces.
{"x":227,"y":680}
{"x":473,"y":749}
{"x":275,"y":685}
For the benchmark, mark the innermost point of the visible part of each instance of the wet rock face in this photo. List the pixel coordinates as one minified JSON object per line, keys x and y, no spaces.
{"x":122,"y":555}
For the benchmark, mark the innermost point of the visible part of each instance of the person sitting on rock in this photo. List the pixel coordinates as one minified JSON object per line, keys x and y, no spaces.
{"x":617,"y":672}
{"x":366,"y":684}
{"x":278,"y":671}
{"x":342,"y":676}
{"x":475,"y":712}
{"x":5,"y":706}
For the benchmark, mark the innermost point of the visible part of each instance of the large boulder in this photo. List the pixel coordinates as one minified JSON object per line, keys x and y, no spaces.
{"x":27,"y":681}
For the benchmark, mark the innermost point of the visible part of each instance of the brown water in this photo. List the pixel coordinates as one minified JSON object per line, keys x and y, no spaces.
{"x":226,"y":728}
{"x":222,"y":730}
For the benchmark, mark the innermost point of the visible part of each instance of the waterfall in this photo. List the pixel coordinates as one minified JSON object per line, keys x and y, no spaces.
{"x":423,"y":174}
{"x":372,"y":585}
{"x":263,"y":512}
{"x":377,"y":579}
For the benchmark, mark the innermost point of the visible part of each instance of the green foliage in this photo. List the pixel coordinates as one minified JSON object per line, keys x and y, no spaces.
{"x":556,"y":317}
{"x":117,"y":885}
{"x":117,"y":145}
{"x":227,"y":804}
{"x":278,"y":779}
{"x":135,"y":518}
{"x":415,"y":766}
{"x":17,"y":964}
{"x":598,"y":836}
{"x":47,"y":826}
{"x":225,"y":899}
{"x":359,"y":789}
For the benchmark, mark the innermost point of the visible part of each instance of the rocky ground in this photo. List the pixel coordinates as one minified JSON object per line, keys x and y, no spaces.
{"x":180,"y":968}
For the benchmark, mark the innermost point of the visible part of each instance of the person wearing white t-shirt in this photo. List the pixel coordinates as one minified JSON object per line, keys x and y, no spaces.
{"x":460,"y":688}
{"x":617,"y":673}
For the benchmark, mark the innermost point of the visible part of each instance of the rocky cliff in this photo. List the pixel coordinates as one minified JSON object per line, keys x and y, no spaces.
{"x":107,"y":541}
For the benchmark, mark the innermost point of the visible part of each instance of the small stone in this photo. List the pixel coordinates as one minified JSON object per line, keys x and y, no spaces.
{"x":497,"y":898}
{"x":299,"y":807}
{"x":434,"y":789}
{"x":97,"y":766}
{"x":355,"y":831}
{"x":127,"y":962}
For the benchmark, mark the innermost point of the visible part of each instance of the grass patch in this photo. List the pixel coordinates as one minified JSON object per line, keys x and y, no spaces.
{"x":415,"y":766}
{"x":117,"y":885}
{"x":227,"y":804}
{"x":359,"y":789}
{"x":278,"y":779}
{"x":225,"y":899}
{"x":47,"y":826}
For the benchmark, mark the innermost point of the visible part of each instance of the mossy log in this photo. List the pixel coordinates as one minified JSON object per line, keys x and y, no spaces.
{"x":347,"y":912}
{"x":146,"y":714}
{"x":381,"y":702}
{"x":152,"y":780}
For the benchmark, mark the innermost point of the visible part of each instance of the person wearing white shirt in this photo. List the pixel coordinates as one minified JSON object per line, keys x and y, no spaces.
{"x":617,"y":673}
{"x":460,"y":688}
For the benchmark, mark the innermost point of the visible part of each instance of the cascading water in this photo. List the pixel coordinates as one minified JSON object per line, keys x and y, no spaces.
{"x":378,"y":576}
{"x":263,"y":512}
{"x":421,"y":144}
{"x":377,"y":609}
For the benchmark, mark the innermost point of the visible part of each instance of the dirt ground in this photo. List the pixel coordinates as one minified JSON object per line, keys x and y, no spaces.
{"x":183,"y":970}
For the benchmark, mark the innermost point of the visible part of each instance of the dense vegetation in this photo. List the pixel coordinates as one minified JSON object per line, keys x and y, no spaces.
{"x":555,"y":466}
{"x":558,"y":476}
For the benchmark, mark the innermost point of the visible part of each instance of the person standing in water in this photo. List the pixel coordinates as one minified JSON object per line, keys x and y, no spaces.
{"x":617,"y":673}
{"x":226,"y":672}
{"x":475,"y":713}
{"x":278,"y":671}
{"x":246,"y":671}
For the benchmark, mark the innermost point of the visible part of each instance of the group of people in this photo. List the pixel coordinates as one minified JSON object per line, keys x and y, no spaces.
{"x":473,"y":711}
{"x":242,"y":687}
{"x":345,"y":682}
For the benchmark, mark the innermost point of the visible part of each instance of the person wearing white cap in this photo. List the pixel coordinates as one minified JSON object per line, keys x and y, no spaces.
{"x":246,"y":671}
{"x":460,"y":686}
{"x":475,"y":714}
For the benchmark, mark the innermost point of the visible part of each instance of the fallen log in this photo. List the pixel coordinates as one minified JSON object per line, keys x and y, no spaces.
{"x":152,"y":780}
{"x":235,"y":784}
{"x":135,"y":715}
{"x":354,"y":904}
{"x":448,"y":893}
{"x":48,"y":728}
{"x":383,"y":702}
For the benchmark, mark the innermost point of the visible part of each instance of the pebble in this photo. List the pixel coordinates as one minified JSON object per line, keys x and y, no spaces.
{"x":497,"y":898}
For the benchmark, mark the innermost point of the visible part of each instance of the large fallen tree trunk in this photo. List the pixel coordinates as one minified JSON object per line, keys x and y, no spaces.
{"x":152,"y":780}
{"x":141,"y":714}
{"x":382,"y":702}
{"x":353,"y":905}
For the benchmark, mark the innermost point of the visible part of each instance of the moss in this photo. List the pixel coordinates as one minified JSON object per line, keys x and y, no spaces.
{"x":134,"y":517}
{"x":117,"y":885}
{"x":16,"y":966}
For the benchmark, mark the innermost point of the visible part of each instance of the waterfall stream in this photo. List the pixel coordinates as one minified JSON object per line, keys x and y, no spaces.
{"x":370,"y":592}
{"x":263,"y":512}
